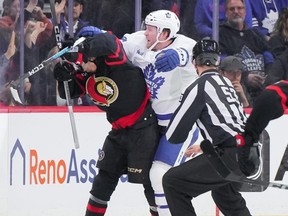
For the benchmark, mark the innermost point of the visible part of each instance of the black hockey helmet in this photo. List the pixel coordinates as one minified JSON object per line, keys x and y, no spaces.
{"x":206,"y":52}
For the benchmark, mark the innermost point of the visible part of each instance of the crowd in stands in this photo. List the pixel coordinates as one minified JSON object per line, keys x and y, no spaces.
{"x":256,"y":32}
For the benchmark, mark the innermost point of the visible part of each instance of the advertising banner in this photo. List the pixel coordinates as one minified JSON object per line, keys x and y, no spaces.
{"x":43,"y":174}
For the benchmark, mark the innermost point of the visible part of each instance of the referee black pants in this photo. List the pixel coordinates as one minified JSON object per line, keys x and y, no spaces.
{"x":196,"y":176}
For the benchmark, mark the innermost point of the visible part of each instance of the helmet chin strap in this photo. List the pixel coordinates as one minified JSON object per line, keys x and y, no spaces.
{"x":148,"y":54}
{"x":158,"y":41}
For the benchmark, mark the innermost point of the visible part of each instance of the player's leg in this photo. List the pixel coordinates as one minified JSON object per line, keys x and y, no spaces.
{"x":105,"y":182}
{"x":103,"y":186}
{"x":143,"y":140}
{"x":167,"y":156}
{"x":157,"y":171}
{"x":149,"y":194}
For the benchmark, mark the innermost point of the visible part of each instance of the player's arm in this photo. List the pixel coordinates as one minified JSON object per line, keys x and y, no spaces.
{"x":74,"y":75}
{"x":270,"y":104}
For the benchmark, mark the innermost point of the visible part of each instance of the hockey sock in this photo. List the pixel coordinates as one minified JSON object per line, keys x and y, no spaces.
{"x":95,"y":208}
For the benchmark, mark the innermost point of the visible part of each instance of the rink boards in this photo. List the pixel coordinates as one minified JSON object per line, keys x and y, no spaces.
{"x":43,"y":174}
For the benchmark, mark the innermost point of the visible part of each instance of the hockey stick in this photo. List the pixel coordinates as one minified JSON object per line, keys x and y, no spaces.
{"x":185,"y":146}
{"x":15,"y":83}
{"x":66,"y":85}
{"x":223,"y":170}
{"x":56,"y":26}
{"x":71,"y":114}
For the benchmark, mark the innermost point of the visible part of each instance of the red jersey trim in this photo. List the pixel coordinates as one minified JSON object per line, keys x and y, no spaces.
{"x":281,"y":94}
{"x":129,"y":120}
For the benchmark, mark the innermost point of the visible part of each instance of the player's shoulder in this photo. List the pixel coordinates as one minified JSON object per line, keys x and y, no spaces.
{"x":182,"y":40}
{"x":135,"y":37}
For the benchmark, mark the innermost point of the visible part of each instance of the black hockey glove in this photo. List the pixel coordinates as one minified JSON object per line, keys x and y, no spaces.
{"x":248,"y":155}
{"x":72,"y":55}
{"x":65,"y":71}
{"x":68,"y":41}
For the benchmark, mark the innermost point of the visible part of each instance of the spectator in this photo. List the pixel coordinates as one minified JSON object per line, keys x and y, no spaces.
{"x":265,"y":14}
{"x":279,"y":48}
{"x":203,"y":16}
{"x":231,"y":67}
{"x":279,"y":37}
{"x":117,"y":87}
{"x":279,"y":70}
{"x":37,"y":31}
{"x":7,"y":51}
{"x":63,"y":16}
{"x":9,"y":56}
{"x":11,"y":12}
{"x":171,"y":5}
{"x":39,"y":39}
{"x":235,"y":38}
{"x":116,"y":16}
{"x":187,"y":10}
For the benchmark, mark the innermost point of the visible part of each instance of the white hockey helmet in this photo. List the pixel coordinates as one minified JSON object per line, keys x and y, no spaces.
{"x":164,"y":19}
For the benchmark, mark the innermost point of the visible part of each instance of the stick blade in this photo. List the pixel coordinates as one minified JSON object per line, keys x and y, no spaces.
{"x":15,"y":95}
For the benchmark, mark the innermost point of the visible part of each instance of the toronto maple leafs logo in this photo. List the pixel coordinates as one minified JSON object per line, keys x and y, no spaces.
{"x":251,"y":61}
{"x":154,"y":82}
{"x":168,"y":15}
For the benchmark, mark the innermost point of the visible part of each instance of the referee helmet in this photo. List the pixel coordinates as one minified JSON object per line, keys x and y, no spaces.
{"x":206,"y":52}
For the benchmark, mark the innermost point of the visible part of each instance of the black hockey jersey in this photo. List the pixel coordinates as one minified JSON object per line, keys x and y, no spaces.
{"x":117,"y":86}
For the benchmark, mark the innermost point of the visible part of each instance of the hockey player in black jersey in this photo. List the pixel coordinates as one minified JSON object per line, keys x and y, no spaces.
{"x":118,"y":88}
{"x":212,"y":103}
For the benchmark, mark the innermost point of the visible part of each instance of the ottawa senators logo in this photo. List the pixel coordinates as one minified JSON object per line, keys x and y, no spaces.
{"x":102,"y":90}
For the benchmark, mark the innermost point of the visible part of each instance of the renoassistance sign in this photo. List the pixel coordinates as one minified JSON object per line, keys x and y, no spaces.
{"x":43,"y":174}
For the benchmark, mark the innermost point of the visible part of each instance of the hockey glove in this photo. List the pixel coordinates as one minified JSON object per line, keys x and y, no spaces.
{"x":248,"y":155}
{"x":169,"y":59}
{"x":65,"y":71}
{"x":72,"y":55}
{"x":68,"y":41}
{"x":89,"y":31}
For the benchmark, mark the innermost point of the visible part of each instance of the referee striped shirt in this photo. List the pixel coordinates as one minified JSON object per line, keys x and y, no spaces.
{"x":212,"y":103}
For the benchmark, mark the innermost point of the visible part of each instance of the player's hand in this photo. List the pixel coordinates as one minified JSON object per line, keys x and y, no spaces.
{"x":89,"y":31}
{"x":64,"y":71}
{"x":167,"y":60}
{"x":256,"y":80}
{"x":68,"y":41}
{"x":72,"y":55}
{"x":193,"y":150}
{"x":248,"y":156}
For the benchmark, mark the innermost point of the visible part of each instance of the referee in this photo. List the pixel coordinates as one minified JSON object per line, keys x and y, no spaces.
{"x":212,"y":103}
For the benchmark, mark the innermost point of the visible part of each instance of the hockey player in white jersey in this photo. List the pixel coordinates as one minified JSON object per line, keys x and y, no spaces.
{"x":165,"y":58}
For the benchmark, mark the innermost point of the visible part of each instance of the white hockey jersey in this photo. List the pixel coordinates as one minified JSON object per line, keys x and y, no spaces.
{"x":166,"y":88}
